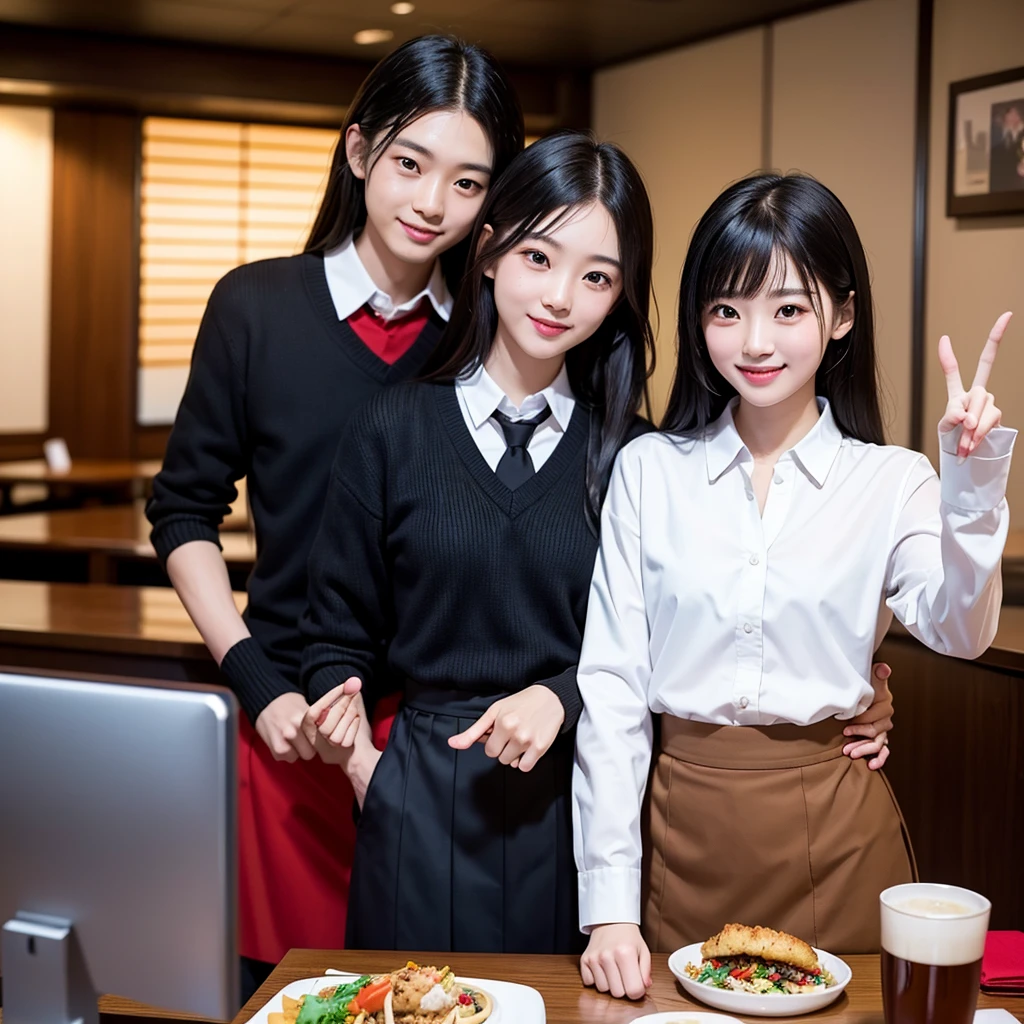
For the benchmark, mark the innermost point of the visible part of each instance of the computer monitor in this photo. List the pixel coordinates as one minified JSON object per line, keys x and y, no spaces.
{"x":118,"y":849}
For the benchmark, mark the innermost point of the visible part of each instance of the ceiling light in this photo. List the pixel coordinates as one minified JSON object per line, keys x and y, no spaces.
{"x":373,"y":35}
{"x":403,"y":8}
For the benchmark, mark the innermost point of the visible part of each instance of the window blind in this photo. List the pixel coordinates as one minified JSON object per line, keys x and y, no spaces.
{"x":215,"y":195}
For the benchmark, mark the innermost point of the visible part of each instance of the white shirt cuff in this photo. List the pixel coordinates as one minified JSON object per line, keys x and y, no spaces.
{"x":609,"y":896}
{"x":978,"y":483}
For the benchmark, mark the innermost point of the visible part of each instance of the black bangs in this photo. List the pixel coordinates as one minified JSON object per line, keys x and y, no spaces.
{"x":745,"y":241}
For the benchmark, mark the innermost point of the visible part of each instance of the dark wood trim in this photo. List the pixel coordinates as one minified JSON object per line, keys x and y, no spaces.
{"x":993,"y":203}
{"x":94,"y":298}
{"x":152,"y":76}
{"x":14,"y":447}
{"x":767,"y":94}
{"x":922,"y":140}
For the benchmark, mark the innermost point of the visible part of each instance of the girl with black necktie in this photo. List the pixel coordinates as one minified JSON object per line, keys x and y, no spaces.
{"x":454,"y":557}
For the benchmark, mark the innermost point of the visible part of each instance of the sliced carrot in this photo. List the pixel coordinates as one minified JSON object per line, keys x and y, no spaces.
{"x":371,"y":998}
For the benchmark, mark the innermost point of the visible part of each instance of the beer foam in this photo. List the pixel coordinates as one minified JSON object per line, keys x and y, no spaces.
{"x":928,"y":923}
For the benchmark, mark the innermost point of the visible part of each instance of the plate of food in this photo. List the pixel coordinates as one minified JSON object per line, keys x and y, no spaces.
{"x":408,"y":995}
{"x":759,"y":972}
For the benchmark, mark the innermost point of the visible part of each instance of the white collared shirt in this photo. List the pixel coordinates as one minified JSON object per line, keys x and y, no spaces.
{"x":352,"y":287}
{"x":479,"y":396}
{"x":701,"y":607}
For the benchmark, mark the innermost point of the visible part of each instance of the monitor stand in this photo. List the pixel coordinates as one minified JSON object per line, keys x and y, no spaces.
{"x":45,"y":977}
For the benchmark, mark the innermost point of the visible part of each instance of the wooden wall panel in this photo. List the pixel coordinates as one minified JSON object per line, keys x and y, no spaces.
{"x":957,"y":767}
{"x":94,"y":289}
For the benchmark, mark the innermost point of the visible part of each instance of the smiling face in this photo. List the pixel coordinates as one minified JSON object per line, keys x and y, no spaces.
{"x":769,"y":346}
{"x":555,"y":288}
{"x":424,"y":190}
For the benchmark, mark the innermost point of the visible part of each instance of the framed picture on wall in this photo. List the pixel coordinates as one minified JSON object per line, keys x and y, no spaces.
{"x":985,"y":172}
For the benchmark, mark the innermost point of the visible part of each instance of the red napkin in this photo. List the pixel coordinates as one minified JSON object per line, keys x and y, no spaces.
{"x":1002,"y":967}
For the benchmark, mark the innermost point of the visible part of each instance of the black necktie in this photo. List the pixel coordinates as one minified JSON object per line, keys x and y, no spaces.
{"x":516,"y":466}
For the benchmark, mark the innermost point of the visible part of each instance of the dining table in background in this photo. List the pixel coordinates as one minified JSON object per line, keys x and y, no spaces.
{"x":119,"y":632}
{"x":102,"y":544}
{"x":106,"y":480}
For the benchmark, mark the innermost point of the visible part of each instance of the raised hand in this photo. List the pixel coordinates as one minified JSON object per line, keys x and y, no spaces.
{"x":975,"y":410}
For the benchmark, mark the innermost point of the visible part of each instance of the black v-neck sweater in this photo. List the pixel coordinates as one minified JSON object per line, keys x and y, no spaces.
{"x":427,"y":568}
{"x":275,"y":378}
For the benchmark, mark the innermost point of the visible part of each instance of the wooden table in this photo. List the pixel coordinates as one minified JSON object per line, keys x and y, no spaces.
{"x":121,"y":479}
{"x":567,"y":1001}
{"x":105,"y":544}
{"x":128,"y":632}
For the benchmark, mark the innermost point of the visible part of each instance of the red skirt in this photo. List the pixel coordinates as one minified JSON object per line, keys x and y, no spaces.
{"x":296,"y":840}
{"x":296,"y":837}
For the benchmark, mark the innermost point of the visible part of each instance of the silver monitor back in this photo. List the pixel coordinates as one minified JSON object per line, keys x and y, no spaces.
{"x":117,"y":813}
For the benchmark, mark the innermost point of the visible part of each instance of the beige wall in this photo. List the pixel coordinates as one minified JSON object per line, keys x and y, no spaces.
{"x":691,"y":121}
{"x":26,"y":162}
{"x":846,"y":115}
{"x":694,"y":120}
{"x":975,"y":265}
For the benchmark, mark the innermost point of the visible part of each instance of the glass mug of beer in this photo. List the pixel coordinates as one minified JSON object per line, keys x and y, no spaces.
{"x":933,"y":939}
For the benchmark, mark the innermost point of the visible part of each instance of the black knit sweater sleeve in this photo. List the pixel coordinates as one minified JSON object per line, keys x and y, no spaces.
{"x":205,"y":454}
{"x":346,"y":622}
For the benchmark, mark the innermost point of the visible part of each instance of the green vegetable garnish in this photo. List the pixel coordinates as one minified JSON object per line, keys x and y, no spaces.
{"x":333,"y":1010}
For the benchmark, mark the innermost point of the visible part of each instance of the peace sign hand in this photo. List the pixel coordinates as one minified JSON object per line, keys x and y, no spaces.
{"x":974,"y":410}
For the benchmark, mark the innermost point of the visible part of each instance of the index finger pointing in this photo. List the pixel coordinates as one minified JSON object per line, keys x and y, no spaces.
{"x":988,"y":353}
{"x":950,"y":368}
{"x":464,"y":740}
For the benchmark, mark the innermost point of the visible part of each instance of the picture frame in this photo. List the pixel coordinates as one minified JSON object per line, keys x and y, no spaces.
{"x":985,"y":161}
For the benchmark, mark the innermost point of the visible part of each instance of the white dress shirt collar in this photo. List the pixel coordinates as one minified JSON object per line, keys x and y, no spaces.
{"x":351,"y":287}
{"x":815,"y":452}
{"x":483,"y":396}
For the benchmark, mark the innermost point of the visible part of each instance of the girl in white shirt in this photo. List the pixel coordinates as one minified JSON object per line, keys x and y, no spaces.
{"x":752,"y":557}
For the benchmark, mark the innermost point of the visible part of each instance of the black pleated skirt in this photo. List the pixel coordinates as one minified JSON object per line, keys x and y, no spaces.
{"x":458,"y":852}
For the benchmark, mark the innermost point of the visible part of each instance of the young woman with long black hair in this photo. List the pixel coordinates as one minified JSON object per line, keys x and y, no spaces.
{"x":752,"y":557}
{"x":454,"y":559}
{"x":288,"y":350}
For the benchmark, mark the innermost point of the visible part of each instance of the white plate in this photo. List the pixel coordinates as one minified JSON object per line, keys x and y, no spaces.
{"x":752,"y":1004}
{"x":513,"y":1004}
{"x":684,"y":1017}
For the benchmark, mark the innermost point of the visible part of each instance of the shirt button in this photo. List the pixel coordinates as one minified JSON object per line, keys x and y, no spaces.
{"x":744,"y":702}
{"x":750,"y":495}
{"x":747,"y":627}
{"x":754,"y":559}
{"x":778,"y":479}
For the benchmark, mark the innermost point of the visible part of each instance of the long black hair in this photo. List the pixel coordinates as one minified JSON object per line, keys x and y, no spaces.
{"x":424,"y":75}
{"x":742,"y":238}
{"x":608,"y":372}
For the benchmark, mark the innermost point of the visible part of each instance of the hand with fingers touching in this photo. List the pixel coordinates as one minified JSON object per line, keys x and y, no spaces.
{"x":339,"y":727}
{"x":279,"y":725}
{"x":973,"y":411}
{"x":336,"y":716}
{"x":617,"y":960}
{"x":870,"y":729}
{"x":517,"y":730}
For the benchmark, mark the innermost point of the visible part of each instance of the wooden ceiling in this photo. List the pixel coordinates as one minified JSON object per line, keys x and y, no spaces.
{"x":551,"y":33}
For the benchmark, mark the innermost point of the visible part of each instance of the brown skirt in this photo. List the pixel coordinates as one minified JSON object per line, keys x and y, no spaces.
{"x":769,"y":826}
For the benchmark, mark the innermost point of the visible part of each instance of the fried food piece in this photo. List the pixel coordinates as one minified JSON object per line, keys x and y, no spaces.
{"x":409,"y":987}
{"x":742,"y":940}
